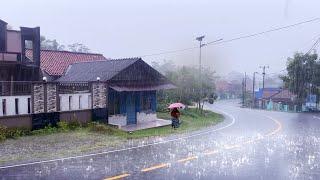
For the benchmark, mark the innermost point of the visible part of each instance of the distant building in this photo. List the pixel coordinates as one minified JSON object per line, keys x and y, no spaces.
{"x":275,"y":99}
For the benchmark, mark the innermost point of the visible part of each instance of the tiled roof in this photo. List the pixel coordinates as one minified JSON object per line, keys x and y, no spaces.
{"x":55,"y":63}
{"x":284,"y":94}
{"x":89,"y":71}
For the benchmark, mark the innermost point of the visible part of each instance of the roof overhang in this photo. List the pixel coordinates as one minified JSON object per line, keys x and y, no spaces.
{"x":122,"y":88}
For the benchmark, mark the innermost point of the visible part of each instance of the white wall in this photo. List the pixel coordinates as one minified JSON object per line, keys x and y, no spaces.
{"x":143,"y":117}
{"x":85,"y":102}
{"x":10,"y":104}
{"x":118,"y":119}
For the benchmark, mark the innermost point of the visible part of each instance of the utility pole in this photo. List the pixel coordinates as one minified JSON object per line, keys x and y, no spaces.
{"x":243,"y":92}
{"x":263,"y":74}
{"x":245,"y":86}
{"x":244,"y":89}
{"x":253,"y":87}
{"x":200,"y":38}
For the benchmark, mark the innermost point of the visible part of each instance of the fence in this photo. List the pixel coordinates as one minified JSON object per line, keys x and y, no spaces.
{"x":48,"y":102}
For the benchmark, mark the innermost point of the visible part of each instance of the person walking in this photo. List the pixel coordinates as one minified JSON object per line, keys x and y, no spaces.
{"x":175,"y":114}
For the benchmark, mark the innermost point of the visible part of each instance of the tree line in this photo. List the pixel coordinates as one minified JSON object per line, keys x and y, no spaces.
{"x":48,"y":44}
{"x":303,"y":75}
{"x":188,"y":84}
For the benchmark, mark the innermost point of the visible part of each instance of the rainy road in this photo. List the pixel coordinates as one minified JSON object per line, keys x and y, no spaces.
{"x":249,"y":144}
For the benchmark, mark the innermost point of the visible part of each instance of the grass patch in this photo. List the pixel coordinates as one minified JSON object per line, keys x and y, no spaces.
{"x":191,"y":120}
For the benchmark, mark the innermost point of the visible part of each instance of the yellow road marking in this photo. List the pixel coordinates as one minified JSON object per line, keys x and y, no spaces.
{"x":118,"y":177}
{"x":187,"y":159}
{"x":231,"y":146}
{"x":276,"y":130}
{"x":155,"y":167}
{"x":210,"y":152}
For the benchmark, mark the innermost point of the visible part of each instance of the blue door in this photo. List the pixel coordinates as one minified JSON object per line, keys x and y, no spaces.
{"x":131,"y":109}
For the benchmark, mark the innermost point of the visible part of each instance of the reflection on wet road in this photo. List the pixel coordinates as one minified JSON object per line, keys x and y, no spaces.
{"x":257,"y":145}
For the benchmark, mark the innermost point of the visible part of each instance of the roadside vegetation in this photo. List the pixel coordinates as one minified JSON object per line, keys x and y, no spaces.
{"x":191,"y":120}
{"x":70,"y":139}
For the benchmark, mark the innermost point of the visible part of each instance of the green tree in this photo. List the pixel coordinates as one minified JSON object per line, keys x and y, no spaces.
{"x":188,"y":85}
{"x":303,"y":75}
{"x":78,"y":47}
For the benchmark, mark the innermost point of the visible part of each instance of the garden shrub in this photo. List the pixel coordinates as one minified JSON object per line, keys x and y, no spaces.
{"x":2,"y":137}
{"x":74,"y":125}
{"x":47,"y":130}
{"x":3,"y":130}
{"x":101,"y":128}
{"x":63,"y":126}
{"x":12,"y":133}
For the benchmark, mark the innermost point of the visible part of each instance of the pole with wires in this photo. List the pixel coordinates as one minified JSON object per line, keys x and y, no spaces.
{"x":200,"y":78}
{"x":253,"y":87}
{"x":263,"y":74}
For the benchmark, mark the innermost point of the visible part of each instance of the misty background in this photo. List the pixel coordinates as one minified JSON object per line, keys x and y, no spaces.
{"x":126,"y":28}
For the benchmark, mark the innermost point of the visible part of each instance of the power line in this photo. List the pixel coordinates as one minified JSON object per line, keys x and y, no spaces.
{"x":314,"y":45}
{"x":268,"y":31}
{"x":233,"y":39}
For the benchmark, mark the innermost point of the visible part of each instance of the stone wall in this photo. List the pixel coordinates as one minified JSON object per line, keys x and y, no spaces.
{"x":51,"y":97}
{"x":38,"y":97}
{"x":44,"y":97}
{"x":99,"y":95}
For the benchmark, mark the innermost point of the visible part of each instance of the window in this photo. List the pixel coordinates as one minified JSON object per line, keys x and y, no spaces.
{"x":80,"y":106}
{"x":4,"y":107}
{"x":29,"y":105}
{"x":70,"y":102}
{"x":16,"y":103}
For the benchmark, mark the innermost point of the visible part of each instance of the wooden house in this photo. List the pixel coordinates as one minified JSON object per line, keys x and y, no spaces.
{"x":131,"y":87}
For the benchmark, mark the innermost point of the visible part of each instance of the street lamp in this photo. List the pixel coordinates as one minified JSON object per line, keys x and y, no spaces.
{"x":200,"y":38}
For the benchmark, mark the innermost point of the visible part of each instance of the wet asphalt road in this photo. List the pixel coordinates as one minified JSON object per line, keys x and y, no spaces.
{"x":249,"y":144}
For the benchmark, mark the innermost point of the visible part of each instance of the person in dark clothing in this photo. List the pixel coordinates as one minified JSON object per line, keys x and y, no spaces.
{"x":175,"y":114}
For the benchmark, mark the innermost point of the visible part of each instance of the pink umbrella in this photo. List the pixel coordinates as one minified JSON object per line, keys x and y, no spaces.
{"x":176,"y":105}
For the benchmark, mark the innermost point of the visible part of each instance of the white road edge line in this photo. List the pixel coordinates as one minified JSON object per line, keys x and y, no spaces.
{"x":316,"y":117}
{"x":125,"y":149}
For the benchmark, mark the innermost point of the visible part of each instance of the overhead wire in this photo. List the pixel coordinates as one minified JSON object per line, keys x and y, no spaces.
{"x":233,"y":39}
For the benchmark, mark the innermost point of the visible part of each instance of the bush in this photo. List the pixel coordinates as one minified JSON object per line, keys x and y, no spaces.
{"x":2,"y":137}
{"x":3,"y":131}
{"x":74,"y":125}
{"x":101,"y":128}
{"x":47,"y":130}
{"x":12,"y":133}
{"x":63,"y":126}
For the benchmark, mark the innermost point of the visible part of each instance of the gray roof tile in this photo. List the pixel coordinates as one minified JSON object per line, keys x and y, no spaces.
{"x":89,"y":71}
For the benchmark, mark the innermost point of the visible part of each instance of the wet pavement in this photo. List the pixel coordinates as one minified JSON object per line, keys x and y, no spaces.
{"x":249,"y":144}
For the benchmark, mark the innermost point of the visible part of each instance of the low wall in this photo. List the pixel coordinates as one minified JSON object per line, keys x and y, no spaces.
{"x":143,"y":117}
{"x":19,"y":121}
{"x":118,"y":120}
{"x":82,"y":116}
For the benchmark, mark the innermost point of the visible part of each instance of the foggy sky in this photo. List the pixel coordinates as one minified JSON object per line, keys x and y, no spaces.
{"x":130,"y":28}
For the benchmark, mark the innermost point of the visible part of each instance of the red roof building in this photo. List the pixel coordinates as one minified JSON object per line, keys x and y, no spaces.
{"x":55,"y":63}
